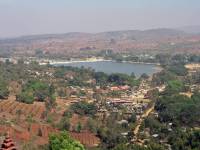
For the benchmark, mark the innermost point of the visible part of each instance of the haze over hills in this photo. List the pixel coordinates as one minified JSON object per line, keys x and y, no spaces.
{"x":191,"y":29}
{"x":151,"y":33}
{"x":159,"y":40}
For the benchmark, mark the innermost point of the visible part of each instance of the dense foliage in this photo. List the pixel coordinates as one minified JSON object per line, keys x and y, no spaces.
{"x":116,"y":79}
{"x":4,"y":92}
{"x":174,"y":86}
{"x":163,"y":77}
{"x":83,"y":108}
{"x":35,"y":90}
{"x":179,"y":108}
{"x":188,"y":140}
{"x":63,"y":141}
{"x":179,"y":69}
{"x":151,"y":146}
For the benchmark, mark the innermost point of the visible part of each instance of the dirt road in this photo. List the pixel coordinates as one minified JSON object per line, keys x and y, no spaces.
{"x":139,"y":122}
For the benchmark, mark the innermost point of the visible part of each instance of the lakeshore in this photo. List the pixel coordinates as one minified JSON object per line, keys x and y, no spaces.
{"x":55,"y":62}
{"x":110,"y":66}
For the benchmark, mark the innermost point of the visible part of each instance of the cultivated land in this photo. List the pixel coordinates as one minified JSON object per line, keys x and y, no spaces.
{"x":12,"y":107}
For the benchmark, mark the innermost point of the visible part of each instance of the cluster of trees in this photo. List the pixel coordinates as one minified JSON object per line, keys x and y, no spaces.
{"x":174,"y":87}
{"x":164,"y":59}
{"x":36,"y":90}
{"x":178,"y":69}
{"x":179,"y":138}
{"x":122,"y":79}
{"x":4,"y":92}
{"x":103,"y":79}
{"x":80,"y":75}
{"x":110,"y":129}
{"x":179,"y":109}
{"x":83,"y":108}
{"x":110,"y":132}
{"x":194,"y":58}
{"x":170,"y":72}
{"x":116,"y":79}
{"x":155,"y":126}
{"x":188,"y":140}
{"x":9,"y":72}
{"x":133,"y":58}
{"x":150,"y":146}
{"x":63,"y":141}
{"x":130,"y":57}
{"x":162,"y":78}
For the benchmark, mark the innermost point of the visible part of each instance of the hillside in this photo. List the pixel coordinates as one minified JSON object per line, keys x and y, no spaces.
{"x":154,"y":40}
{"x":191,"y":29}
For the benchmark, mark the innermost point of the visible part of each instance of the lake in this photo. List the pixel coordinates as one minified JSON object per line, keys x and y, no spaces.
{"x":116,"y":67}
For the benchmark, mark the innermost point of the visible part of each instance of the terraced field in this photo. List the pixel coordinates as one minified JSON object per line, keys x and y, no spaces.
{"x":13,"y":107}
{"x":86,"y":138}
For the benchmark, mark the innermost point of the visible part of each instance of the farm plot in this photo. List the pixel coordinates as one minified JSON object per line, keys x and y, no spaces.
{"x":13,"y":108}
{"x":86,"y":138}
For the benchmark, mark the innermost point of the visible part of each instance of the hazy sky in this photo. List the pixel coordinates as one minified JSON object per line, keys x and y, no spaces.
{"x":24,"y":17}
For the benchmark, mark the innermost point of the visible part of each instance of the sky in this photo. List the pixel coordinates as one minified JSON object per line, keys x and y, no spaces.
{"x":28,"y":17}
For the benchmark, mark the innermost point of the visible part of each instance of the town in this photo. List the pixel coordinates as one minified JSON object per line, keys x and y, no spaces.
{"x":40,"y":100}
{"x":99,"y":75}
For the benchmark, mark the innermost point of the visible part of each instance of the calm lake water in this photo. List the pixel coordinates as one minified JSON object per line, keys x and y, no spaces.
{"x":116,"y":67}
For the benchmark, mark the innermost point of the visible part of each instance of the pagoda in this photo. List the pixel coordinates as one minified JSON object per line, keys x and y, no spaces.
{"x":8,"y":144}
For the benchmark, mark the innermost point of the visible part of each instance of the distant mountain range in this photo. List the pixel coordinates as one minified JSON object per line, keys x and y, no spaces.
{"x":191,"y":29}
{"x":126,"y":34}
{"x":154,"y":40}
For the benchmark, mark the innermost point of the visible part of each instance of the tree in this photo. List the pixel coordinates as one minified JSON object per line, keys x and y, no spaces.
{"x":179,"y":70}
{"x":132,"y":118}
{"x":63,"y":141}
{"x":78,"y":127}
{"x":4,"y":92}
{"x":40,"y":89}
{"x":37,"y":90}
{"x":151,"y":146}
{"x":122,"y":79}
{"x":92,"y":125}
{"x":162,"y":77}
{"x":133,"y":75}
{"x":179,"y":109}
{"x":64,"y":124}
{"x":163,"y":59}
{"x":84,"y":108}
{"x":174,"y":86}
{"x":144,"y":76}
{"x":25,"y":97}
{"x":188,"y":140}
{"x":101,"y":78}
{"x":50,"y":101}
